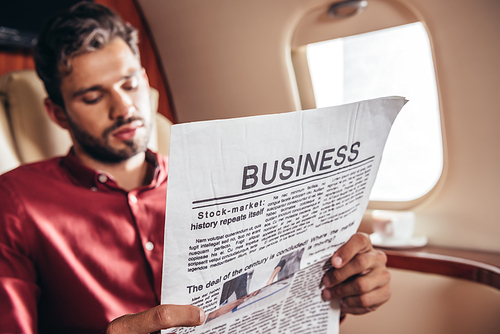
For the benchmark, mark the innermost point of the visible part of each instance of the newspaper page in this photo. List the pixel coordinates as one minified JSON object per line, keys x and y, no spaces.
{"x":257,"y":205}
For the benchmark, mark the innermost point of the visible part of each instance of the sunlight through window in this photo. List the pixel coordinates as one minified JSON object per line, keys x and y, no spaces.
{"x":389,"y":62}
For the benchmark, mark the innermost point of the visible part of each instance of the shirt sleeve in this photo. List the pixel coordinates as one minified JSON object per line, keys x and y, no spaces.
{"x":19,"y":292}
{"x":281,"y":264}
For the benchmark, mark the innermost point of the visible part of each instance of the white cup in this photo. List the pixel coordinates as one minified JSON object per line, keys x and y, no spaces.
{"x":393,"y":225}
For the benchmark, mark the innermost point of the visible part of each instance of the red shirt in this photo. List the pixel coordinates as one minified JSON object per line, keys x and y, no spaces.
{"x":77,"y":251}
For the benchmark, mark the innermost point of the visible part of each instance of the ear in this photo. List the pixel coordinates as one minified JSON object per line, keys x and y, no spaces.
{"x":56,"y":113}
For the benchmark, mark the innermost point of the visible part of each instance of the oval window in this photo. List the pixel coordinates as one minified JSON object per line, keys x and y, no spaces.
{"x":394,"y":61}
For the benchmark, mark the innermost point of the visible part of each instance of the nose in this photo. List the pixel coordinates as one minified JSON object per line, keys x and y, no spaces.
{"x":121,"y":105}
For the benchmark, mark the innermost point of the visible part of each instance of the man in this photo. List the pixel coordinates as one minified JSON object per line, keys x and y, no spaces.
{"x":81,"y":236}
{"x":289,"y":264}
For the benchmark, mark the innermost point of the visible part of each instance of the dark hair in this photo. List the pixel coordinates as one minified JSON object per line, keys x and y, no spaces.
{"x":83,"y":28}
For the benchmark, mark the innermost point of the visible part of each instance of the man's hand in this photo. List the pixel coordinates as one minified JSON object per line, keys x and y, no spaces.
{"x":157,"y":318}
{"x":359,"y":277}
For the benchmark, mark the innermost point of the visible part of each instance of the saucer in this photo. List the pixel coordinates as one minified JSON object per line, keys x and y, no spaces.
{"x":413,"y":242}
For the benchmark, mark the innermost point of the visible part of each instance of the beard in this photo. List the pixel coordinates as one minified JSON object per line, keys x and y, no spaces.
{"x":100,"y":149}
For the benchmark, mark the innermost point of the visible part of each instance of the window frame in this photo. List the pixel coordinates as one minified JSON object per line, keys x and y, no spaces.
{"x":316,"y":26}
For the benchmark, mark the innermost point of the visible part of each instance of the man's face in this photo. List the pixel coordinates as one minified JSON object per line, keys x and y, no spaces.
{"x":106,"y":98}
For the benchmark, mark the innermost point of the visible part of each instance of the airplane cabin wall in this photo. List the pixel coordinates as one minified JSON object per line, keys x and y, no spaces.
{"x":231,"y":58}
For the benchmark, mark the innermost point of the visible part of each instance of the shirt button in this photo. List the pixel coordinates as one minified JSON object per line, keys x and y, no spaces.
{"x":133,"y":199}
{"x":149,"y":246}
{"x":93,"y":189}
{"x":102,"y":178}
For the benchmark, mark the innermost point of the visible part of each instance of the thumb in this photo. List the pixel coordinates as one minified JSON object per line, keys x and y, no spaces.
{"x":358,"y":243}
{"x":157,"y":318}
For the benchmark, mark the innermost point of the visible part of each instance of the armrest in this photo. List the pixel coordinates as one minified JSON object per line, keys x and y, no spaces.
{"x":481,"y":267}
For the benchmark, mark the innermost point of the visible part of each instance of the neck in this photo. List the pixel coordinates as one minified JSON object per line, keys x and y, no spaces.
{"x":128,"y":174}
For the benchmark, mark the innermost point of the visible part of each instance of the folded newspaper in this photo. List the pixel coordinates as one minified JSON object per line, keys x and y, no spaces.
{"x":257,"y":205}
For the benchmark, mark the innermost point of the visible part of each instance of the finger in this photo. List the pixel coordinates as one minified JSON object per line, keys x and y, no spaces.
{"x":358,"y":285}
{"x":361,"y":264}
{"x":157,"y":318}
{"x":358,"y":243}
{"x":367,"y":302}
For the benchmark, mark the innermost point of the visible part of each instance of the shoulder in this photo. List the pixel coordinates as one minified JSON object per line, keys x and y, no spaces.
{"x":32,"y":172}
{"x":34,"y":167}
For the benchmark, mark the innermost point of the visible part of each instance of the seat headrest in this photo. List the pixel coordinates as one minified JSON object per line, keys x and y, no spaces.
{"x":9,"y":159}
{"x":36,"y":137}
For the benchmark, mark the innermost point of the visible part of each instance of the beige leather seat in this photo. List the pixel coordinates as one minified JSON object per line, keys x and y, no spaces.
{"x":26,"y":132}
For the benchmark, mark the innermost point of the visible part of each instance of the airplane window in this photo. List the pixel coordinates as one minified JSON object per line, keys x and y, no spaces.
{"x":394,"y":61}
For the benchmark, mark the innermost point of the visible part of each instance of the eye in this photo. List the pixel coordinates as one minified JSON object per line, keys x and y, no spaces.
{"x":92,"y":98}
{"x":131,"y":84}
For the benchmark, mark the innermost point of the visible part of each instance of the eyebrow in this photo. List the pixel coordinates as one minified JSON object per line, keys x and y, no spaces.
{"x":83,"y":91}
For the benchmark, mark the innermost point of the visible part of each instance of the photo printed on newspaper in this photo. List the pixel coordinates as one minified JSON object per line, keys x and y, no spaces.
{"x":257,"y":205}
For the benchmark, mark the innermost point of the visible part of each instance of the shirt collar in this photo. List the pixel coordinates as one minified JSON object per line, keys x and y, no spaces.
{"x":85,"y":176}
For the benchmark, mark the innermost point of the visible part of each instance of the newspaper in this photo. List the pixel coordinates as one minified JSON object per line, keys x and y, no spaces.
{"x":257,"y":205}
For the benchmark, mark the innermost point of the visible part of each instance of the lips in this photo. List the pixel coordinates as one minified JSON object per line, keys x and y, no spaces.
{"x":127,"y":131}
